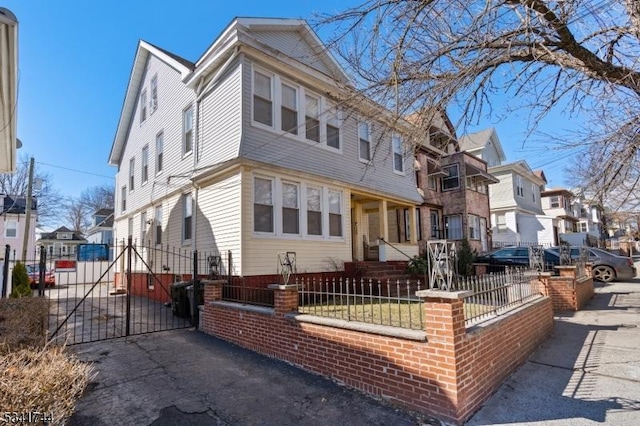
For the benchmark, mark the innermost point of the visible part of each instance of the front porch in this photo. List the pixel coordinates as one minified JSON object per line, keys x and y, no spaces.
{"x":383,"y":229}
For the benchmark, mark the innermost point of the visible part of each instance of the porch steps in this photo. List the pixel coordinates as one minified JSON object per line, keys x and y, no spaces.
{"x":392,"y":272}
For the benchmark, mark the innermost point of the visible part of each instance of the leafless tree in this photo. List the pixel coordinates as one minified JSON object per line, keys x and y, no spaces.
{"x":76,"y":216}
{"x":49,"y":201}
{"x":98,"y":197}
{"x":578,"y":57}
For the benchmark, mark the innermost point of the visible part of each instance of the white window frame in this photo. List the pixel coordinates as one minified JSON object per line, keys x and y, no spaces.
{"x":144,"y":167}
{"x":272,"y":200}
{"x":362,"y":125}
{"x":187,"y":213}
{"x":123,"y":199}
{"x":143,"y":106}
{"x":157,"y":223}
{"x":11,"y":225}
{"x":132,"y":174}
{"x":457,"y":231}
{"x":474,"y":226}
{"x":450,"y":177}
{"x":272,"y":86}
{"x":153,"y":99}
{"x":159,"y":152}
{"x":551,"y":202}
{"x":534,"y":190}
{"x":296,"y":186}
{"x":398,"y":153}
{"x":501,"y":223}
{"x":292,"y":129}
{"x":143,"y":226}
{"x":519,"y":186}
{"x":187,"y":130}
{"x":340,"y":213}
{"x":319,"y":190}
{"x":331,"y":117}
{"x":315,"y":117}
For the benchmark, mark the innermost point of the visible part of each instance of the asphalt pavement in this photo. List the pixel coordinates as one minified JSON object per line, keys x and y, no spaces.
{"x":587,"y":373}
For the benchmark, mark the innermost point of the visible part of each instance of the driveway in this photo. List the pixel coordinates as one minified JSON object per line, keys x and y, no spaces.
{"x":184,"y":377}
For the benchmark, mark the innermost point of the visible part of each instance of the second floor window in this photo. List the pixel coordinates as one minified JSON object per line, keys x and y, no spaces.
{"x":333,"y":129}
{"x":398,"y":160}
{"x":132,"y":174}
{"x":311,"y":121}
{"x":154,"y":94}
{"x":289,"y":109}
{"x":262,"y":99}
{"x":145,"y":164}
{"x":452,"y":179}
{"x":143,"y":106}
{"x":187,"y":130}
{"x":11,"y":229}
{"x":123,"y":199}
{"x":364,"y":135}
{"x":157,"y":222}
{"x":159,"y":151}
{"x":519,"y":186}
{"x":187,"y":216}
{"x":262,"y":205}
{"x":554,"y":201}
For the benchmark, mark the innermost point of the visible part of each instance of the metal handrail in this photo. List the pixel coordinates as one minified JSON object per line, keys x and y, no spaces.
{"x":395,"y":248}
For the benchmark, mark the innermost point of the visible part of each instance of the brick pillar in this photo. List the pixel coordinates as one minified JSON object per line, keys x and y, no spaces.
{"x":285,"y":298}
{"x":567,"y":271}
{"x":543,"y":283}
{"x":212,"y":290}
{"x":480,"y":268}
{"x":588,"y":267}
{"x":445,"y":329}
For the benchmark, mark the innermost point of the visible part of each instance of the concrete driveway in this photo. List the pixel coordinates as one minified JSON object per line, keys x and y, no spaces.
{"x":184,"y":377}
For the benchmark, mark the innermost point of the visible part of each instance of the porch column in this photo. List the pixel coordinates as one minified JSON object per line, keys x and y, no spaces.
{"x":413,"y":228}
{"x":383,"y":232}
{"x":358,"y":241}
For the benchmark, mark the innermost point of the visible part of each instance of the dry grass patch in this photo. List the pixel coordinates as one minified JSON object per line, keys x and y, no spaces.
{"x":35,"y":377}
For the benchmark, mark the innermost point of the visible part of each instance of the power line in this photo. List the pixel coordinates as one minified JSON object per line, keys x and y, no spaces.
{"x":75,"y":170}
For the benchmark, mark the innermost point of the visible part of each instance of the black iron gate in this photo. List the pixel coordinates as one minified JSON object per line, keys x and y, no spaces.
{"x":137,"y":290}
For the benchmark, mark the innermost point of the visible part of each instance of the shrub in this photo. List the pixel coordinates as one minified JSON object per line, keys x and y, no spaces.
{"x":20,"y":281}
{"x":23,"y":322}
{"x":466,"y":257}
{"x":417,"y":266}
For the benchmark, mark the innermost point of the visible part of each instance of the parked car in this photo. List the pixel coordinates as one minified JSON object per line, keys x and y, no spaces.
{"x":33,"y":271}
{"x":606,"y":266}
{"x":514,"y":256}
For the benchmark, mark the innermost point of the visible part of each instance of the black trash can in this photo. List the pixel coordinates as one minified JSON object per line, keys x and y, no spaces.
{"x":200,"y":294}
{"x":180,"y":300}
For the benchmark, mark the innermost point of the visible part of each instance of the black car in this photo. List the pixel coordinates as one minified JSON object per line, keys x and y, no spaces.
{"x":514,"y":256}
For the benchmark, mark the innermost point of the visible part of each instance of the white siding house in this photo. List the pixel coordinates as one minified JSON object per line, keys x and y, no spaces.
{"x":250,"y":150}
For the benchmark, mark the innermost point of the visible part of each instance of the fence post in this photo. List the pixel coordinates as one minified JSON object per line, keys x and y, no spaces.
{"x":41,"y":271}
{"x":229,"y":267}
{"x":195,"y":317}
{"x":129,"y":277}
{"x":5,"y":270}
{"x":285,"y":298}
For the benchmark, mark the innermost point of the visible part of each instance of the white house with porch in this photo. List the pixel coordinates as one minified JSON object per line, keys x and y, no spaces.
{"x":257,"y":148}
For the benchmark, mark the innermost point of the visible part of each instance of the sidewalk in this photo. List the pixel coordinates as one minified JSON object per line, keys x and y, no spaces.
{"x":587,"y":373}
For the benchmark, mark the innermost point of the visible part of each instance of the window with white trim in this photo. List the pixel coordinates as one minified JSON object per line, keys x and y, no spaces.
{"x":474,"y":227}
{"x":157,"y":222}
{"x":154,"y":94}
{"x":187,"y":217}
{"x":534,"y":191}
{"x":434,"y":218}
{"x":290,"y":208}
{"x":314,"y":211}
{"x":583,"y":227}
{"x":452,"y":179}
{"x":132,"y":174}
{"x":311,"y":118}
{"x":289,"y":109}
{"x":262,"y":98}
{"x":519,"y":186}
{"x":11,"y":229}
{"x":262,"y":205}
{"x":143,"y":106}
{"x":501,"y":223}
{"x":143,"y":226}
{"x":335,"y":214}
{"x":398,"y":156}
{"x":554,"y":201}
{"x":364,"y":136}
{"x":159,"y":151}
{"x":453,"y":227}
{"x":333,"y":127}
{"x":145,"y":164}
{"x":123,"y":199}
{"x":187,"y":131}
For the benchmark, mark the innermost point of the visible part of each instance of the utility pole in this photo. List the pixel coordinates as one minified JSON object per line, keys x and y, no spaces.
{"x":25,"y":240}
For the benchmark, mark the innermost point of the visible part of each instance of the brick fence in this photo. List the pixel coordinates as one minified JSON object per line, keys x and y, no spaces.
{"x":567,"y":291}
{"x":445,"y":370}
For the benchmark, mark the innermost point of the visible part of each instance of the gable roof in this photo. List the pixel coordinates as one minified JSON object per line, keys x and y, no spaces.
{"x":63,"y":229}
{"x":143,"y":51}
{"x":17,"y":204}
{"x":474,"y":142}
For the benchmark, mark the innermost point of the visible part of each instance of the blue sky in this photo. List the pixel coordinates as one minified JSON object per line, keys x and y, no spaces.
{"x":75,"y":58}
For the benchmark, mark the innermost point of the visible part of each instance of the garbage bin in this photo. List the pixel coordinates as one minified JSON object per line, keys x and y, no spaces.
{"x":200,"y":292}
{"x":180,"y":300}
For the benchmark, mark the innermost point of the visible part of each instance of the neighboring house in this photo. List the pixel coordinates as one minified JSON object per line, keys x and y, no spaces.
{"x":8,"y":90}
{"x":101,"y":230}
{"x":13,"y":226}
{"x":516,"y":209}
{"x":455,"y":190}
{"x":557,"y":203}
{"x":589,"y":228}
{"x":256,"y":149}
{"x":61,"y":243}
{"x":485,"y":145}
